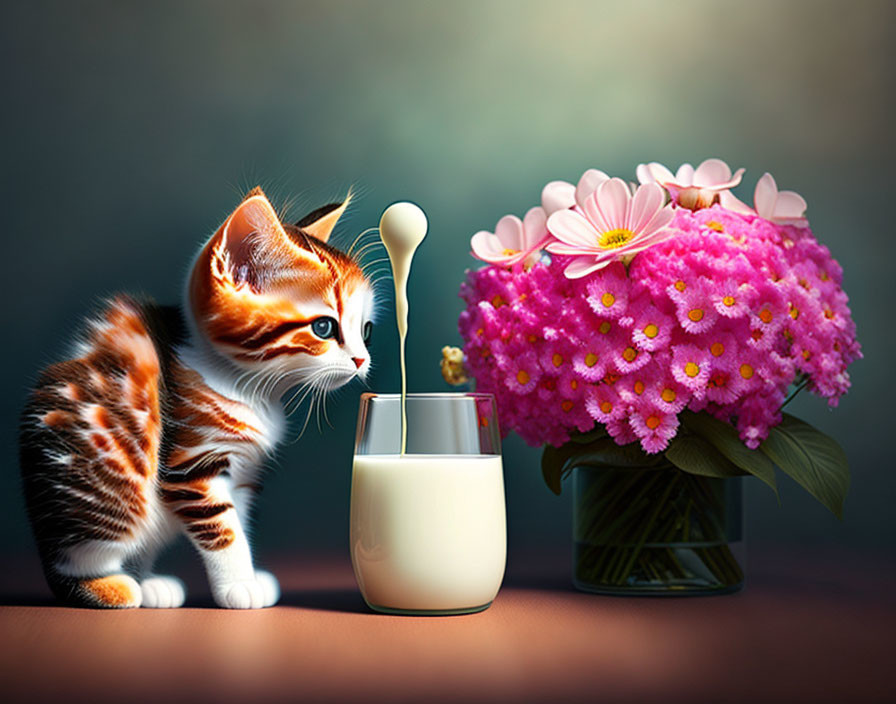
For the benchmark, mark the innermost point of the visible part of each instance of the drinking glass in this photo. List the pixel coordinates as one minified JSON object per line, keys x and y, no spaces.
{"x":428,"y":528}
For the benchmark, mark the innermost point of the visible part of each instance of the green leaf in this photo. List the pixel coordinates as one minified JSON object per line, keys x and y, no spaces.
{"x":599,"y":431}
{"x":812,"y":458}
{"x":724,"y":438}
{"x":606,"y":453}
{"x":695,"y":455}
{"x":557,"y":462}
{"x":553,"y":461}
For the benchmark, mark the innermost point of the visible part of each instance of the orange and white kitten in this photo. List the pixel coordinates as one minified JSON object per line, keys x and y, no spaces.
{"x":159,"y":424}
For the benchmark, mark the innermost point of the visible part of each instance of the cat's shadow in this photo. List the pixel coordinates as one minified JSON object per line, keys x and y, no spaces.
{"x":340,"y":600}
{"x":343,"y":600}
{"x":42,"y":601}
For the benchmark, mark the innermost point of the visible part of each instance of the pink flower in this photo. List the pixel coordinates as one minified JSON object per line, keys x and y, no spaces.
{"x":692,"y":188}
{"x":732,"y":299}
{"x":560,"y":195}
{"x":604,"y":404}
{"x":621,"y":431}
{"x":608,"y":291}
{"x":513,"y":241}
{"x":651,"y":329}
{"x":523,"y":374}
{"x":615,"y":226}
{"x":693,"y":306}
{"x":690,"y":367}
{"x":654,"y":427}
{"x":669,"y":396}
{"x":719,"y":319}
{"x":779,"y":207}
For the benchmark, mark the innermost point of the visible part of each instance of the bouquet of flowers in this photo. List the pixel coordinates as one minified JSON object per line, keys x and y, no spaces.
{"x":630,"y":322}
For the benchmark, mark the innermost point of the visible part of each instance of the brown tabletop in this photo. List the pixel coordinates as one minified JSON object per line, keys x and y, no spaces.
{"x":807,"y":630}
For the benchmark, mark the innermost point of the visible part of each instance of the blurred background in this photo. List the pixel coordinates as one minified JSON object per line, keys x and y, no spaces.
{"x":130,"y":131}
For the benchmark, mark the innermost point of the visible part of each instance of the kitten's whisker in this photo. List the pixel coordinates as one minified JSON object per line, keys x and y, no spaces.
{"x":363,"y":250}
{"x":358,"y":239}
{"x":374,"y":262}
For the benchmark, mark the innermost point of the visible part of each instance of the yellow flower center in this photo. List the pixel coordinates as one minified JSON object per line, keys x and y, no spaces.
{"x":532,"y":338}
{"x":557,"y":359}
{"x":629,"y":354}
{"x":480,"y":331}
{"x":590,"y":359}
{"x":652,"y":422}
{"x":696,"y":315}
{"x":691,"y":369}
{"x":608,"y":299}
{"x":713,"y":225}
{"x":765,"y":315}
{"x":717,"y":349}
{"x":728,"y":301}
{"x":522,"y":376}
{"x":511,"y":252}
{"x":651,"y":330}
{"x":497,"y":301}
{"x":806,"y":355}
{"x":573,"y":384}
{"x":829,"y":314}
{"x":604,"y":327}
{"x":746,"y":371}
{"x":606,"y":406}
{"x":794,"y":312}
{"x":566,"y":406}
{"x":611,"y":239}
{"x":639,"y":387}
{"x":668,"y":395}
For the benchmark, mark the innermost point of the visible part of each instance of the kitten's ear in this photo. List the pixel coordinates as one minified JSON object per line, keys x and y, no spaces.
{"x":320,"y":223}
{"x":252,"y":239}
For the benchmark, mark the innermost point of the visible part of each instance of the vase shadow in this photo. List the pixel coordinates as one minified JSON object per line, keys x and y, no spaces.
{"x":560,"y":582}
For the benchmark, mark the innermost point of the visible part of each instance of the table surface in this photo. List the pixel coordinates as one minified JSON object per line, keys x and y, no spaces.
{"x":803,"y":630}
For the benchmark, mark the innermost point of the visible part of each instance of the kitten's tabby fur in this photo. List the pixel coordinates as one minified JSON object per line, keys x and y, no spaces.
{"x":159,"y":423}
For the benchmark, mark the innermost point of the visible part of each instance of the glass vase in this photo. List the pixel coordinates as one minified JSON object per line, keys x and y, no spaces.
{"x":656,"y":531}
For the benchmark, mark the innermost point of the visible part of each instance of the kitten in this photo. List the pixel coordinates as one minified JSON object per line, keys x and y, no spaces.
{"x":159,"y":425}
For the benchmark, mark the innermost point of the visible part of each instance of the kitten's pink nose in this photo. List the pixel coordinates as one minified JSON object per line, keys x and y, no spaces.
{"x":358,"y":361}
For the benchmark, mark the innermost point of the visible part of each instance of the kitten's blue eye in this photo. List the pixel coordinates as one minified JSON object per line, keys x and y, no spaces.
{"x":324,"y":327}
{"x":367,"y":331}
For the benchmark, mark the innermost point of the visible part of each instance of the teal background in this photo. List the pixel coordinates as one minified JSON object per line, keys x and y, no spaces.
{"x":130,"y":130}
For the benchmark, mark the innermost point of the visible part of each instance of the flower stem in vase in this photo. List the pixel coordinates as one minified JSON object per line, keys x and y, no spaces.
{"x":655,"y":530}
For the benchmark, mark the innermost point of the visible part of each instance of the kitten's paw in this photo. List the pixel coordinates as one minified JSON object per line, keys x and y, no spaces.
{"x":270,"y":585}
{"x":163,"y":592}
{"x":250,"y":593}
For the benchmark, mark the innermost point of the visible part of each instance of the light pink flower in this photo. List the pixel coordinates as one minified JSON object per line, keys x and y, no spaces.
{"x":514,"y":240}
{"x":779,"y":207}
{"x":560,"y":195}
{"x":615,"y":225}
{"x":692,"y":188}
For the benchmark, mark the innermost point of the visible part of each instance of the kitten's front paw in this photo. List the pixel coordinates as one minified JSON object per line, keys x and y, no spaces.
{"x":270,"y":585}
{"x":250,"y":593}
{"x":163,"y":592}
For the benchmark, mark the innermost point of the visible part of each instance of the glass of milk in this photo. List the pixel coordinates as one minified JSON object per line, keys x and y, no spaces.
{"x":428,"y":528}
